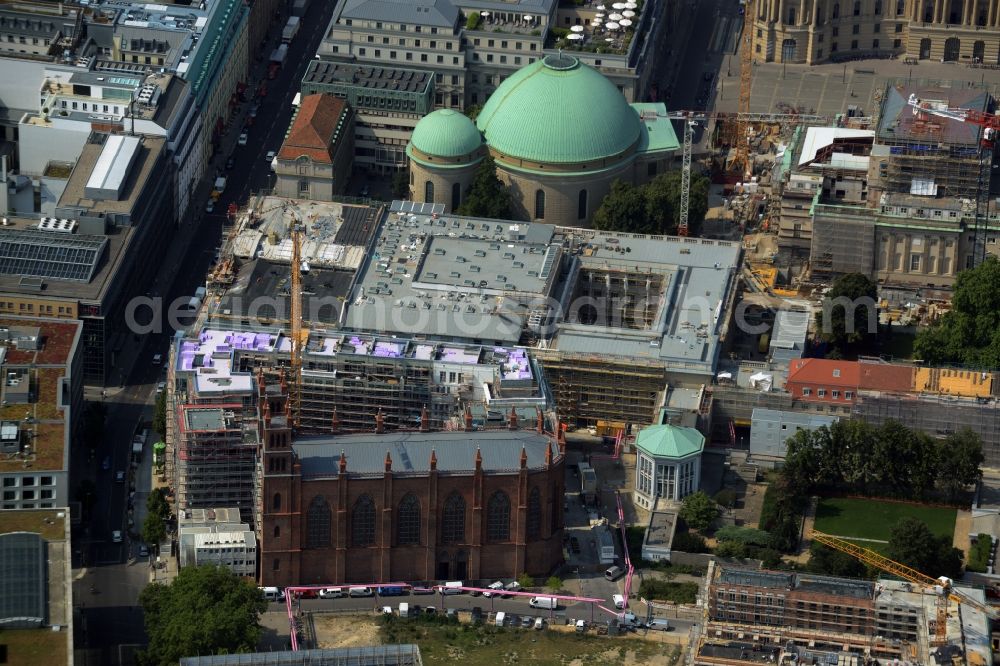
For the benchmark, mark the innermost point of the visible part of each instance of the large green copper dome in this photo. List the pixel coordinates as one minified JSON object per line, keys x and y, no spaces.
{"x":557,"y":110}
{"x":446,"y":133}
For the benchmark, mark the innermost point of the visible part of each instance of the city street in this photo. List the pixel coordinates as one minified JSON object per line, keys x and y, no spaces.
{"x":107,"y":577}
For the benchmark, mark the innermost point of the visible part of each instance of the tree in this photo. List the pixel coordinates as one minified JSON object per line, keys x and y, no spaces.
{"x":525,"y":581}
{"x":653,"y":208}
{"x":686,"y":542}
{"x":846,"y":320}
{"x":623,"y":209}
{"x":156,"y":503}
{"x":912,"y":543}
{"x":205,"y":610}
{"x":160,"y":415}
{"x":554,"y":583}
{"x":824,"y":560}
{"x":473,"y":20}
{"x":961,"y":459}
{"x":744,"y":535}
{"x":401,"y":184}
{"x":486,"y":196}
{"x":472,"y":111}
{"x":154,"y":530}
{"x":970,"y":332}
{"x":699,"y":510}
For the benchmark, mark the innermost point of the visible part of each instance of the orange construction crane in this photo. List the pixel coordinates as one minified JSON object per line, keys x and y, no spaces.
{"x":941,"y":586}
{"x":741,"y":151}
{"x":295,"y":314}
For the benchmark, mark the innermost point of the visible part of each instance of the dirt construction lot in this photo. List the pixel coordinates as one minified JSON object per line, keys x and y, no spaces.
{"x":449,"y":643}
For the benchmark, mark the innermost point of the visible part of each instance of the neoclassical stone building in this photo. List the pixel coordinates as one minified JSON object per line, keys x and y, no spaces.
{"x":560,"y":134}
{"x":410,"y":505}
{"x":817,"y":31}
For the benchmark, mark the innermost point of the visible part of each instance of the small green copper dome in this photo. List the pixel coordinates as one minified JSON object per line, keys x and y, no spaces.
{"x":668,"y":441}
{"x":446,"y":133}
{"x":557,"y":110}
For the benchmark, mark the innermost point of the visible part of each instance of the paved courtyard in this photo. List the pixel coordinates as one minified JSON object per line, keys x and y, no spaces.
{"x":830,"y":89}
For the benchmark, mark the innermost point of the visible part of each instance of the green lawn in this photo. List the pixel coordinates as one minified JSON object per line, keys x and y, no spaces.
{"x":872,"y":519}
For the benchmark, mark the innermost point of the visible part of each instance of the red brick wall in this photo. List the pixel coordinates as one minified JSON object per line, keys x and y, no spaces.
{"x":386,"y":562}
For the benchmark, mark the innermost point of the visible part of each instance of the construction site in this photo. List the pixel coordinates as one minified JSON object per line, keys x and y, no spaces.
{"x":760,"y":616}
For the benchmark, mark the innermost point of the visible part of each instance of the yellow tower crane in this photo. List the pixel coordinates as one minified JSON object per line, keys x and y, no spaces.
{"x":942,"y":586}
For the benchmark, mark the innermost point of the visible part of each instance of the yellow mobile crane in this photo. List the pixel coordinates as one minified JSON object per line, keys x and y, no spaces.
{"x":942,"y":586}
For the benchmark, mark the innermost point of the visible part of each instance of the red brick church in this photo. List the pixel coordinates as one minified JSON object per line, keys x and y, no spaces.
{"x":415,"y":505}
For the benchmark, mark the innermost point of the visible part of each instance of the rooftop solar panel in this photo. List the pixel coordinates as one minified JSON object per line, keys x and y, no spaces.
{"x":50,"y":255}
{"x":22,"y":580}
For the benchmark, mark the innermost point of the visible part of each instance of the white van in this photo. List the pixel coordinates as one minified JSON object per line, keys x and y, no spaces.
{"x":619,"y":601}
{"x":404,"y":609}
{"x":547,"y":603}
{"x":500,"y":619}
{"x":360,"y":592}
{"x":332,"y":593}
{"x":272,"y":594}
{"x":454,"y":587}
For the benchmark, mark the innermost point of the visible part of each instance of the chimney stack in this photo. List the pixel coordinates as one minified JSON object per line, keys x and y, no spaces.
{"x":343,"y":461}
{"x":541,"y":421}
{"x":379,"y":422}
{"x":468,"y":419}
{"x":479,"y":460}
{"x":434,"y":460}
{"x":512,"y":421}
{"x":524,"y":458}
{"x":335,"y":421}
{"x":388,"y":462}
{"x":425,"y":420}
{"x":548,"y":456}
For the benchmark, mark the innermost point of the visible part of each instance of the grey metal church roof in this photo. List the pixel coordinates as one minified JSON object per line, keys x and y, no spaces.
{"x":411,"y":451}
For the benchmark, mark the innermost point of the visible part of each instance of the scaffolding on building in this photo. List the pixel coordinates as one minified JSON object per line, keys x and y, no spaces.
{"x":938,"y":416}
{"x":588,"y":389}
{"x":843,"y":240}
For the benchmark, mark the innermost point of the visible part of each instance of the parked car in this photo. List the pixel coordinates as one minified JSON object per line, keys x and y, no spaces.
{"x":527,"y":621}
{"x":244,"y":138}
{"x":269,"y":157}
{"x":498,"y":586}
{"x":360,"y":592}
{"x":659,"y":624}
{"x":614,"y":573}
{"x":332,"y":593}
{"x":422,"y":590}
{"x":161,"y":387}
{"x":230,"y":163}
{"x":452,"y":613}
{"x":210,"y":206}
{"x":143,"y":550}
{"x":539,"y":623}
{"x":430,"y":610}
{"x":120,"y":476}
{"x":513,"y":586}
{"x":253,"y":111}
{"x":581,"y":626}
{"x":619,"y":601}
{"x":477,"y":615}
{"x":116,"y":536}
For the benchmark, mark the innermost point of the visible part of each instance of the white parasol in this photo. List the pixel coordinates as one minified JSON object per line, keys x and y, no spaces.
{"x":575,"y":36}
{"x":577,"y":28}
{"x":615,"y":17}
{"x":611,"y":26}
{"x":628,"y":13}
{"x":625,"y":23}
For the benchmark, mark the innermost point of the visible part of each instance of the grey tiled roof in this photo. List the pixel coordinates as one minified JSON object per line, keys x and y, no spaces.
{"x":411,"y":451}
{"x":440,"y":13}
